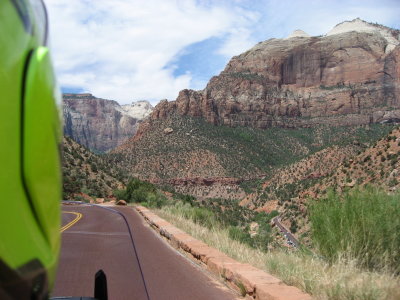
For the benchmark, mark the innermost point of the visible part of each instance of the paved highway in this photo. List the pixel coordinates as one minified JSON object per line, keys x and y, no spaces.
{"x":289,"y":236}
{"x":99,"y":239}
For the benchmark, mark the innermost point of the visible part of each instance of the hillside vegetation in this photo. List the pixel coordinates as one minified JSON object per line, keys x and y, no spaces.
{"x":196,"y":148}
{"x":338,"y":167}
{"x":377,"y":165}
{"x":88,"y":173}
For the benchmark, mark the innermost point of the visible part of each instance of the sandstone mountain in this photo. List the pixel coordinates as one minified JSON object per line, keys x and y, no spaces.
{"x":350,"y":76}
{"x":101,"y":124}
{"x":278,"y":103}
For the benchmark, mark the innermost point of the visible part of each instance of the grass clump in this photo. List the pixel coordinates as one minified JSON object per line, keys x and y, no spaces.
{"x":361,"y":225}
{"x":200,"y":216}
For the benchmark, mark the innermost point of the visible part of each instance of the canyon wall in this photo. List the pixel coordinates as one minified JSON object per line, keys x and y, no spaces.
{"x":101,"y":124}
{"x":350,"y":76}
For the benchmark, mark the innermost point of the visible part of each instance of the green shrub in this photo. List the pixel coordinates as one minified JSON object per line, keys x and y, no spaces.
{"x":185,"y":198}
{"x":393,"y":182}
{"x":199,"y":215}
{"x":138,"y":195}
{"x":156,"y":200}
{"x":273,"y":214}
{"x":80,"y":198}
{"x":119,"y":194}
{"x":94,"y":168}
{"x":240,"y":235}
{"x":293,"y":226}
{"x":202,"y":216}
{"x":143,"y":192}
{"x":362,"y":224}
{"x":137,"y":190}
{"x":264,"y":218}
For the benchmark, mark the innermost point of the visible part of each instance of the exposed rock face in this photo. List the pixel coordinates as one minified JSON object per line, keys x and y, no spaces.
{"x":298,"y":33}
{"x":121,"y":202}
{"x":101,"y":124}
{"x":206,"y":187}
{"x":138,"y":110}
{"x":350,"y":76}
{"x":201,"y":181}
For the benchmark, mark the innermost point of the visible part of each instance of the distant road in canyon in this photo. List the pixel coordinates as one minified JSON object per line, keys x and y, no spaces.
{"x":289,"y":236}
{"x":96,"y":238}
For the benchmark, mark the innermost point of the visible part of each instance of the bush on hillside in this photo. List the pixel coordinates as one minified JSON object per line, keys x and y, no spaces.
{"x":238,"y":234}
{"x":138,"y":191}
{"x":119,"y":194}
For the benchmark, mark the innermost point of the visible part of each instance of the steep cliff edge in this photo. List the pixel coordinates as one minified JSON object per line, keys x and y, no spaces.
{"x":351,"y":76}
{"x":101,"y":124}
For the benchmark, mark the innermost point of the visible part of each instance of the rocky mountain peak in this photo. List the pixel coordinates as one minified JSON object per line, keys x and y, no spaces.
{"x":79,"y":96}
{"x":298,"y":33}
{"x":390,"y":35}
{"x":351,"y":76}
{"x":138,"y":109}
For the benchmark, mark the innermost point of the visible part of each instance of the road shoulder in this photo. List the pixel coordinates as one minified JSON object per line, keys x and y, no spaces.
{"x":244,"y":278}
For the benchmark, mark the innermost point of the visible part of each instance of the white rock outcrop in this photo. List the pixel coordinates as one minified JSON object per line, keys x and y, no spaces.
{"x":298,"y":33}
{"x":138,"y":110}
{"x":363,"y":26}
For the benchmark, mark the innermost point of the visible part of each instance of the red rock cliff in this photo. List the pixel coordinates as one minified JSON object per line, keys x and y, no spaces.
{"x":349,"y":76}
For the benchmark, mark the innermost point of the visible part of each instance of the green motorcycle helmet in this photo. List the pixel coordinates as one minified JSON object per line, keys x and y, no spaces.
{"x":30,"y":135}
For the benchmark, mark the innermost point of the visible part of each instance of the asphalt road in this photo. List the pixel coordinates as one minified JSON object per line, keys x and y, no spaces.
{"x":289,"y":236}
{"x":99,"y":239}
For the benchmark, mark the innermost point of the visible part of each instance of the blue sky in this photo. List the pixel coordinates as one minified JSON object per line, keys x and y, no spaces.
{"x":201,"y":60}
{"x":128,"y":50}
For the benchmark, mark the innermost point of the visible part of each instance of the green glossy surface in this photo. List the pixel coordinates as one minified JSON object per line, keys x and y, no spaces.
{"x":27,"y":232}
{"x":41,"y":140}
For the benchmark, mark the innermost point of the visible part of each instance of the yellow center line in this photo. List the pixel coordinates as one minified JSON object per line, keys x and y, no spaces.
{"x":70,"y":224}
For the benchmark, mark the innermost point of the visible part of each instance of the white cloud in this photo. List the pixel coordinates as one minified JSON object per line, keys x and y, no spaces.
{"x":119,"y":49}
{"x":125,"y":49}
{"x":240,"y":36}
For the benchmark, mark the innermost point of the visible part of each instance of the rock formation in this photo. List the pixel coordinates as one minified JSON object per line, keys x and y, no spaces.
{"x":350,"y":76}
{"x":101,"y":124}
{"x":298,"y":33}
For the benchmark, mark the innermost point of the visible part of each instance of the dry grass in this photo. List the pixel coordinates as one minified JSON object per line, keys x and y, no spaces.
{"x":343,"y":280}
